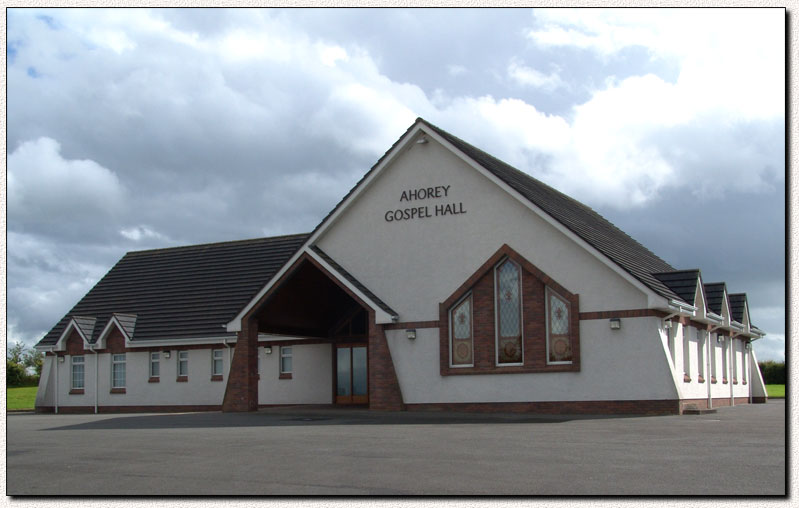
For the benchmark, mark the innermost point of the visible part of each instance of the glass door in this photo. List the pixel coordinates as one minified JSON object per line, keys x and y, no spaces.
{"x":352,"y":386}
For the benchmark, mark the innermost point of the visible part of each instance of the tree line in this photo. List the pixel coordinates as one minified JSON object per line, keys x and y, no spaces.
{"x":773,"y":373}
{"x":23,"y":365}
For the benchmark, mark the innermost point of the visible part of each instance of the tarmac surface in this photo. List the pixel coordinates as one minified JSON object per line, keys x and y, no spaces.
{"x":331,"y":451}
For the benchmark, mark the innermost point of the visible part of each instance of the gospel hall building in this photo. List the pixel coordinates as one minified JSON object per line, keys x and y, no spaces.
{"x":445,"y":279}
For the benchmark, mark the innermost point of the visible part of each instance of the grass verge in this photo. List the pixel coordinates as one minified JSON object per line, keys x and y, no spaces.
{"x":21,"y":398}
{"x":775,"y":391}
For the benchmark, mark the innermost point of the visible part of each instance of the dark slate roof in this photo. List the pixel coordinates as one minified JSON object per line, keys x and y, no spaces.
{"x":86,"y":325}
{"x":352,"y":280}
{"x":181,"y":292}
{"x":128,"y":322}
{"x":587,"y":224}
{"x":737,"y":304}
{"x":714,"y":294}
{"x":682,"y":282}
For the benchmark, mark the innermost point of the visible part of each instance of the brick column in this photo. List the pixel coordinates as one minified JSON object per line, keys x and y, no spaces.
{"x":384,"y":388}
{"x":241,"y":392}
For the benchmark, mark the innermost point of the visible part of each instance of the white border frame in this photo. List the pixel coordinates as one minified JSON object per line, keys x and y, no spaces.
{"x":280,"y":360}
{"x":123,"y":362}
{"x":221,"y":360}
{"x":72,"y":372}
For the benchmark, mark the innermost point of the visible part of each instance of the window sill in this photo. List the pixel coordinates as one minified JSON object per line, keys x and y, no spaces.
{"x":154,"y":380}
{"x":744,"y":382}
{"x":724,"y":381}
{"x":515,"y":369}
{"x":286,"y":375}
{"x":76,"y":391}
{"x":216,"y":377}
{"x":735,"y":381}
{"x":686,"y":378}
{"x":118,"y":390}
{"x":713,"y":380}
{"x":182,"y":379}
{"x":701,"y":379}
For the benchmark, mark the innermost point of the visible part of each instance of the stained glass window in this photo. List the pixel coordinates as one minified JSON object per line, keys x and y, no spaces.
{"x":509,"y":342}
{"x":559,"y":343}
{"x":462,"y":333}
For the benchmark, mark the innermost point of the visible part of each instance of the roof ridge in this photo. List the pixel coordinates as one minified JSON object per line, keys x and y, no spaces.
{"x":210,"y":244}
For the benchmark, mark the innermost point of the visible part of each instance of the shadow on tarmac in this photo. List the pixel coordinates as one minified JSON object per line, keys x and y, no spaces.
{"x":281,"y":417}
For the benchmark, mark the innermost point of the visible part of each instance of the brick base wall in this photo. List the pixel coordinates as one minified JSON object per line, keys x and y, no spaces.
{"x":241,"y":391}
{"x":641,"y":407}
{"x":127,"y":409}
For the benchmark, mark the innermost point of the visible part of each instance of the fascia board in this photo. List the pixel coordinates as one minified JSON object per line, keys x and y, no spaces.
{"x":71,"y":325}
{"x":104,"y":334}
{"x":381,"y":316}
{"x":234,"y":325}
{"x":653,"y":298}
{"x":179,"y":342}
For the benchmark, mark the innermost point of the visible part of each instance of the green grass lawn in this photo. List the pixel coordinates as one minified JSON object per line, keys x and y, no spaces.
{"x":775,"y":390}
{"x":21,"y":398}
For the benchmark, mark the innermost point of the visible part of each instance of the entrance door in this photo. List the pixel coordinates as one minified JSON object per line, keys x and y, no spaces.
{"x":351,"y":375}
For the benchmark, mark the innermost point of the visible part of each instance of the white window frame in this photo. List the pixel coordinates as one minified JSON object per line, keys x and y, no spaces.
{"x":74,"y":361}
{"x":119,"y":359}
{"x":214,"y":360}
{"x":286,"y":354}
{"x":734,"y":349}
{"x":471,"y":325}
{"x":496,"y":313}
{"x":547,"y":291}
{"x":155,"y":359}
{"x":183,"y":358}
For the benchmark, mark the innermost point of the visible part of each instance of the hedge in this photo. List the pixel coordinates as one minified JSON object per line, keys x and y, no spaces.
{"x":773,"y":373}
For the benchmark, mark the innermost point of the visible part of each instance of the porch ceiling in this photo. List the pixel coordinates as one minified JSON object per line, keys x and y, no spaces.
{"x":308,"y":303}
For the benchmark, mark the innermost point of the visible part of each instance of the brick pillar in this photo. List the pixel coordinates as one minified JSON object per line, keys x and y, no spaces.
{"x":384,"y":388}
{"x":241,"y":392}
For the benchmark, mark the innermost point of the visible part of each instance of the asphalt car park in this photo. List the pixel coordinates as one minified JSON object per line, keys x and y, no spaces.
{"x":329,"y":451}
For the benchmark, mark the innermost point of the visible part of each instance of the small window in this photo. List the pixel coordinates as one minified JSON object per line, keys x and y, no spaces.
{"x":118,"y":371}
{"x":183,"y":363}
{"x":507,"y":284}
{"x":462,"y":345}
{"x":216,"y":367}
{"x":285,"y":359}
{"x":559,"y":349}
{"x":734,"y":343}
{"x":78,"y":372}
{"x":155,"y":364}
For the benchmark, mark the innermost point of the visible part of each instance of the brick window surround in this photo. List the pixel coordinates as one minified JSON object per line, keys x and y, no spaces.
{"x":534,"y":284}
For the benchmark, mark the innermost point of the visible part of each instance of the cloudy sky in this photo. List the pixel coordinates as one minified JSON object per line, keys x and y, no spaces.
{"x":136,"y":129}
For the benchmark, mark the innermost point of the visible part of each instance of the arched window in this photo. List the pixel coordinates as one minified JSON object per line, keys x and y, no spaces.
{"x":507,"y":284}
{"x":462,"y":336}
{"x":559,"y":349}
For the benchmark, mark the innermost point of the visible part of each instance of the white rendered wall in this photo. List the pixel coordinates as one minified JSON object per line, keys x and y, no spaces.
{"x":629,"y":364}
{"x":415,"y":264}
{"x":311,"y":379}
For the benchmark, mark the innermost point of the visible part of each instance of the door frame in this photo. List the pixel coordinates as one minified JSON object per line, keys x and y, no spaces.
{"x":361,"y":399}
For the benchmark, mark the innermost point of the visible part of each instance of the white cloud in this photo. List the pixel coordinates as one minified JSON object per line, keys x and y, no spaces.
{"x":456,"y":70}
{"x":770,"y":347}
{"x":137,"y":233}
{"x":42,"y":185}
{"x":531,"y":77}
